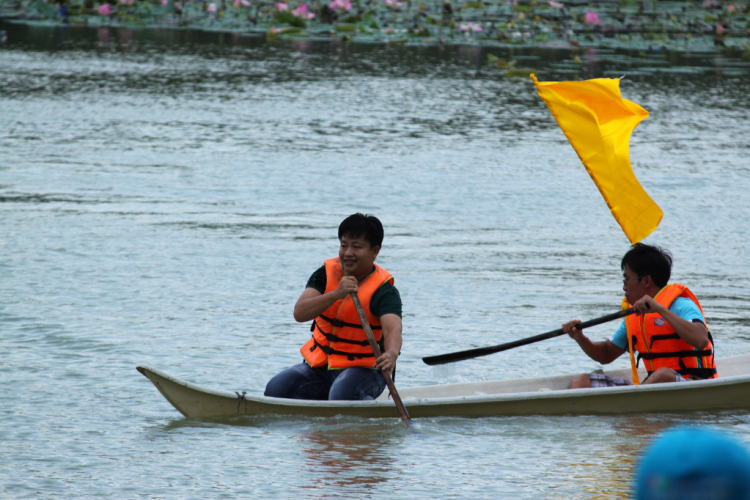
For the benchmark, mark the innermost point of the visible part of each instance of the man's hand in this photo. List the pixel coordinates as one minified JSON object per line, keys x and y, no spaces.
{"x":570,"y":329}
{"x":647,"y":305}
{"x":386,"y":362}
{"x":347,"y":285}
{"x":392,"y":327}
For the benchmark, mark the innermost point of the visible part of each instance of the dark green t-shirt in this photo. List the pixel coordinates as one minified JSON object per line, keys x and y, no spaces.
{"x":385,"y":300}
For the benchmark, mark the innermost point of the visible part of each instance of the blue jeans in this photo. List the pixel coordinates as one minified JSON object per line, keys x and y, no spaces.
{"x":303,"y":382}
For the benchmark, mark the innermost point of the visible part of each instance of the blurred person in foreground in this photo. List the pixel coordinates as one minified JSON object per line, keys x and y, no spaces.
{"x":338,"y":361}
{"x":693,"y":464}
{"x":668,"y":330}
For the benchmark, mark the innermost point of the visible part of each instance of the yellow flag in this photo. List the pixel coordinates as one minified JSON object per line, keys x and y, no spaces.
{"x":598,"y":123}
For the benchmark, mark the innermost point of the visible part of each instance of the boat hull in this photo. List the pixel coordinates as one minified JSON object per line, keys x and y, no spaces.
{"x":543,"y":396}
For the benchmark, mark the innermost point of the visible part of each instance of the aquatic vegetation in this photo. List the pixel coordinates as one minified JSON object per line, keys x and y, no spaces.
{"x":302,"y":12}
{"x":471,"y":27}
{"x":344,"y":5}
{"x":591,"y":18}
{"x":642,"y":25}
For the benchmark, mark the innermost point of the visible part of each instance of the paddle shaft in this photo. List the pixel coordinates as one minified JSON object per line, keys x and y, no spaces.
{"x":376,"y":350}
{"x":484,"y":351}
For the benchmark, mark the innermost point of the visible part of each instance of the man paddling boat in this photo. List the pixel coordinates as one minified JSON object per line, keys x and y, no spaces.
{"x":668,"y":331}
{"x":339,"y":363}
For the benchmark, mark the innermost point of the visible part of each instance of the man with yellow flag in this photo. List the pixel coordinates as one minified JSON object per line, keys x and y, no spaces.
{"x":668,"y":330}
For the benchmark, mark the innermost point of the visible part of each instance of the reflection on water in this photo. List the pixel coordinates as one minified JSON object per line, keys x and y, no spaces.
{"x":348,"y":457}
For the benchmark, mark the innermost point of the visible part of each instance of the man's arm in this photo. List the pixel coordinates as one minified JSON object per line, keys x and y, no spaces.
{"x":694,"y":333}
{"x":392,"y":341}
{"x":312,"y":303}
{"x":603,"y":352}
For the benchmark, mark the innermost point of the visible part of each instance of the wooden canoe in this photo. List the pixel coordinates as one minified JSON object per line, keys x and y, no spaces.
{"x":536,"y":396}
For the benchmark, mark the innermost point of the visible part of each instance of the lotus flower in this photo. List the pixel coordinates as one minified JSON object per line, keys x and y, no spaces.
{"x":302,"y":12}
{"x":341,"y":4}
{"x":394,"y":4}
{"x":554,"y":4}
{"x":241,"y":3}
{"x":470,"y":28}
{"x":719,"y":29}
{"x":282,"y":7}
{"x":211,"y":8}
{"x":591,"y":17}
{"x":104,"y":10}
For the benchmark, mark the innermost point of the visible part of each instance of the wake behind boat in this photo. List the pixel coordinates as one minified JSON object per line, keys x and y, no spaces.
{"x":534,"y":396}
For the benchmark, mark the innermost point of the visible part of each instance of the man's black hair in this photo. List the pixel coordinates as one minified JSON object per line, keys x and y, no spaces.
{"x":362,"y":226}
{"x":647,"y":260}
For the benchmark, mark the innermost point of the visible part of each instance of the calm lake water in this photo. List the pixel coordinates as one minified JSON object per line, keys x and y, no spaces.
{"x":164,"y":197}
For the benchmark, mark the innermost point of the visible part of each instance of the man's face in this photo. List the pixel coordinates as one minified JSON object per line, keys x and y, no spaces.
{"x":357,"y":256}
{"x":633,"y":285}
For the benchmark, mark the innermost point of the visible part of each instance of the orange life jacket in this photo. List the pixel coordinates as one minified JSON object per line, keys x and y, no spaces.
{"x":660,"y":346}
{"x":338,"y":337}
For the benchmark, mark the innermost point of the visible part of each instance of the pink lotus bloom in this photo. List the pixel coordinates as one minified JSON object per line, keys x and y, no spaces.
{"x":470,"y":28}
{"x":241,"y":3}
{"x":104,"y":10}
{"x":341,"y":4}
{"x":591,"y":17}
{"x":127,"y":2}
{"x":302,"y":13}
{"x":554,"y":4}
{"x":395,"y":4}
{"x":282,"y":7}
{"x":211,"y":8}
{"x":719,"y":29}
{"x":730,"y":8}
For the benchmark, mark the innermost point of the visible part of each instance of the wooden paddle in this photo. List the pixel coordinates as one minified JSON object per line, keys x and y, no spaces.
{"x":484,"y":351}
{"x":376,"y":350}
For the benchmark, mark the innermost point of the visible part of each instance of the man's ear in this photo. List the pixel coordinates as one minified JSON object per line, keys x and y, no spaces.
{"x":375,"y":252}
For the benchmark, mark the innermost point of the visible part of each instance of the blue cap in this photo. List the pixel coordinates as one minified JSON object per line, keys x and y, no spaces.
{"x":694,"y":463}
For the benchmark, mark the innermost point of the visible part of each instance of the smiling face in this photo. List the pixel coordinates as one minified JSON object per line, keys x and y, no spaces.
{"x":357,"y":256}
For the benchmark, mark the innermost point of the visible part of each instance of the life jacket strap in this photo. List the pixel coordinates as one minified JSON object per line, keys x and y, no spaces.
{"x":673,"y":336}
{"x":340,"y":324}
{"x":668,"y":336}
{"x":335,"y":338}
{"x":676,"y":354}
{"x":700,"y":373}
{"x":351,"y":356}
